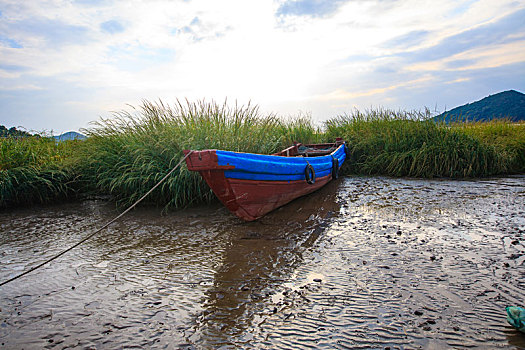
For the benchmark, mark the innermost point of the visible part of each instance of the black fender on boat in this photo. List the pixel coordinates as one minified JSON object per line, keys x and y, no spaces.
{"x":309,"y":174}
{"x":335,"y":168}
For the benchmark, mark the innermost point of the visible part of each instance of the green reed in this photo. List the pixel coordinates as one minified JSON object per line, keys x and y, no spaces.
{"x":507,"y":137}
{"x":129,"y":153}
{"x":35,"y":170}
{"x":412,"y":144}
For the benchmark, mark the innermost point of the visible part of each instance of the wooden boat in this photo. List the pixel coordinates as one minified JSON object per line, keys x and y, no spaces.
{"x":251,"y":185}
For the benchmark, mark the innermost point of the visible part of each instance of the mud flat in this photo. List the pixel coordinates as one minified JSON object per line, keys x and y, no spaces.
{"x":366,"y":262}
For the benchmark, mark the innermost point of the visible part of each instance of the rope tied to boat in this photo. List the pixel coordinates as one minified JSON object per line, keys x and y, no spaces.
{"x":100,"y":229}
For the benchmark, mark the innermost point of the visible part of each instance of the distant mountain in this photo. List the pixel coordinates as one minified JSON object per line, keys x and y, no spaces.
{"x":70,"y":135}
{"x":14,"y":132}
{"x":507,"y":104}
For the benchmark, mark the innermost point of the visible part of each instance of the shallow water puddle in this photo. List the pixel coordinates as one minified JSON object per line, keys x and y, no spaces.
{"x":366,"y":262}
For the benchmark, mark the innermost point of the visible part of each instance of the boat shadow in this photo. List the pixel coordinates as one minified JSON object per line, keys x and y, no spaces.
{"x":260,"y":257}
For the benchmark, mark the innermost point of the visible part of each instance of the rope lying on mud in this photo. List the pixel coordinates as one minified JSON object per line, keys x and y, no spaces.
{"x":100,"y":229}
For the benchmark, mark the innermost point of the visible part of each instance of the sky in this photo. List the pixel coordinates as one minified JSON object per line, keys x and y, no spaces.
{"x":64,"y":64}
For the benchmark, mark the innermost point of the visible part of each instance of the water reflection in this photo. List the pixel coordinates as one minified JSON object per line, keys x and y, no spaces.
{"x":149,"y":279}
{"x":259,"y":257}
{"x":364,"y":263}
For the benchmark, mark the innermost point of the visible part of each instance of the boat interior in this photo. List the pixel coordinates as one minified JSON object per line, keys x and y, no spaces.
{"x":309,"y":150}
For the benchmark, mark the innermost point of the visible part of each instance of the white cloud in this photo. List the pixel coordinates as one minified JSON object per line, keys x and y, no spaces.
{"x":358,"y":53}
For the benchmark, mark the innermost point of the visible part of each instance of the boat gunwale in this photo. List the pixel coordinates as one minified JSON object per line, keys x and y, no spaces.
{"x":269,"y":167}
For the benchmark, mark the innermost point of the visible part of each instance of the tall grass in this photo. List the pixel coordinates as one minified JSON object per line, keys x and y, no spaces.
{"x":507,"y":137}
{"x":35,"y":170}
{"x":129,"y":153}
{"x":411,"y":144}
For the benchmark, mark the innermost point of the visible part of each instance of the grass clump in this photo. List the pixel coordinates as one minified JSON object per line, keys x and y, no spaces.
{"x":411,"y":144}
{"x":35,"y":169}
{"x":128,"y":154}
{"x":507,"y":137}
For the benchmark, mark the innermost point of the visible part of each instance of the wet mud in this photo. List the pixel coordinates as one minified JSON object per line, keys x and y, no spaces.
{"x":366,"y":262}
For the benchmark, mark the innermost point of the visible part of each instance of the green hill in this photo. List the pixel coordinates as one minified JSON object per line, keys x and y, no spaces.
{"x":507,"y":104}
{"x":12,"y":132}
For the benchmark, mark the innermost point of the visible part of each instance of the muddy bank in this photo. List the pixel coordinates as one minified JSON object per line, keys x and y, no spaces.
{"x":364,"y":263}
{"x":409,"y":264}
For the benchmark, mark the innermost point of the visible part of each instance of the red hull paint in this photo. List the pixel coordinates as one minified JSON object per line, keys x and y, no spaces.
{"x":248,"y":199}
